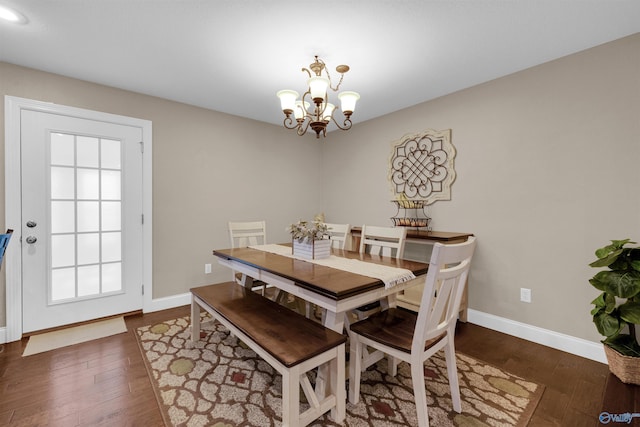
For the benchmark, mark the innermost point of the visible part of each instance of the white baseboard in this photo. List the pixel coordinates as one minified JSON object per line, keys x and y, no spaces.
{"x":567,"y":343}
{"x":168,"y":302}
{"x":3,"y":334}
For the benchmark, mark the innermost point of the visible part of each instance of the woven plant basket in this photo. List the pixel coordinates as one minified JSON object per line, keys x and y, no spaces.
{"x":626,"y":368}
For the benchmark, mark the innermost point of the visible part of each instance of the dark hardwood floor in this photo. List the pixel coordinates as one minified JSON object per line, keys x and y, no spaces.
{"x":104,"y":382}
{"x":577,"y":390}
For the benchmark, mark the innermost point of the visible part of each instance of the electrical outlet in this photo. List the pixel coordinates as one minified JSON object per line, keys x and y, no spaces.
{"x":207,"y":268}
{"x":525,"y":295}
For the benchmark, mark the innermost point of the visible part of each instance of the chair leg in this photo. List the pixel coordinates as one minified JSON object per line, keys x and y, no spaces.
{"x":301,"y":306}
{"x":308,"y":309}
{"x":392,"y":365}
{"x":280,"y":296}
{"x":419,"y":392}
{"x":347,"y":323}
{"x":452,"y":373}
{"x":355,"y":360}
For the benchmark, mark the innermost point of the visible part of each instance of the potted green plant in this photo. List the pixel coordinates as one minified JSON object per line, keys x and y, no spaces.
{"x":616,"y":310}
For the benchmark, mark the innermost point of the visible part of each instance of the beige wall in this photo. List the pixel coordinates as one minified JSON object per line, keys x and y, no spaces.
{"x":547,"y":171}
{"x":208,"y":168}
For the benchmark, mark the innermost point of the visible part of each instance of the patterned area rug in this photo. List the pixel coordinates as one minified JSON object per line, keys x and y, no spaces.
{"x":220,"y":382}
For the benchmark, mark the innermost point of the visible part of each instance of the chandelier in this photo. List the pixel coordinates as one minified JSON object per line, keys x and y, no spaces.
{"x":321,"y":114}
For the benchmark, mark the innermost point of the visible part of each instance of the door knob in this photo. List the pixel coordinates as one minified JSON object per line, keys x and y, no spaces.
{"x":31,"y":224}
{"x":31,"y":239}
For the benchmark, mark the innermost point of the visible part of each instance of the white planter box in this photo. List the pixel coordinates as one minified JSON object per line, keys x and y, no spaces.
{"x":319,"y":249}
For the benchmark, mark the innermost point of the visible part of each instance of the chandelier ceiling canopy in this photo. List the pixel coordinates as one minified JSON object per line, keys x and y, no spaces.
{"x":314,"y":109}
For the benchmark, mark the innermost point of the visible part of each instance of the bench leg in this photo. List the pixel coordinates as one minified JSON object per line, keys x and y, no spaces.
{"x":339,"y":413}
{"x":291,"y":397}
{"x":195,"y":320}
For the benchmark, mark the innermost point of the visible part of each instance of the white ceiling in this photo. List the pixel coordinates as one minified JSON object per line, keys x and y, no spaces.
{"x":234,"y":55}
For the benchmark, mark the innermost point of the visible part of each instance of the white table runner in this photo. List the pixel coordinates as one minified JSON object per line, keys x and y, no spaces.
{"x":391,"y":276}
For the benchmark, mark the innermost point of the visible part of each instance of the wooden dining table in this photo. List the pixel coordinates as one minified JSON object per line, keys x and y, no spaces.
{"x":336,"y":291}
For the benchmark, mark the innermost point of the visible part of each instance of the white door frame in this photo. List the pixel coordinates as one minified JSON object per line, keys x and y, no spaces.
{"x":13,"y":203}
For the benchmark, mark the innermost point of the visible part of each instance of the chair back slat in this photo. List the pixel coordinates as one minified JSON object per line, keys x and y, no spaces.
{"x":338,"y":233}
{"x":243,"y":234}
{"x":443,"y":290}
{"x":383,"y":241}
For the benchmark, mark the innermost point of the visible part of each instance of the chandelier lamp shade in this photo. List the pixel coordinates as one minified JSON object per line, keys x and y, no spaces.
{"x":314,"y":110}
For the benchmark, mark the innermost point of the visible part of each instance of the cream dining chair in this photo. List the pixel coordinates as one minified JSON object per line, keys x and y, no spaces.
{"x":338,"y":233}
{"x":380,"y":241}
{"x":244,"y":234}
{"x":412,"y":337}
{"x":384,"y":241}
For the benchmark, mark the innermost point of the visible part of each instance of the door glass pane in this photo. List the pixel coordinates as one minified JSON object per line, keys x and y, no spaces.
{"x":63,"y":283}
{"x":62,"y":217}
{"x":112,"y":277}
{"x":88,"y":216}
{"x":62,"y":183}
{"x":88,"y":151}
{"x":88,"y":280}
{"x":62,"y":152}
{"x":88,"y":248}
{"x":111,"y":216}
{"x":111,"y":247}
{"x":110,"y":154}
{"x":63,"y":250}
{"x":88,"y":184}
{"x":111,"y":185}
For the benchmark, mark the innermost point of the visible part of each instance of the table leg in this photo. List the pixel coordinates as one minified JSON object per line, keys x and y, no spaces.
{"x":462,"y":316}
{"x":334,"y":321}
{"x":195,"y":320}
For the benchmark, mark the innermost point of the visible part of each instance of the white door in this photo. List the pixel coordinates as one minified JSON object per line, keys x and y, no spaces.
{"x":81,"y":219}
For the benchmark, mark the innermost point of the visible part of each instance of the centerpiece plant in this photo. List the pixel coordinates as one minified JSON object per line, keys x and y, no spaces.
{"x":306,"y":232}
{"x":310,"y":239}
{"x":616,"y":311}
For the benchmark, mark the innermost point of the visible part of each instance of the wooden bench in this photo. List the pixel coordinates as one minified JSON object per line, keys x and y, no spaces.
{"x":291,"y":343}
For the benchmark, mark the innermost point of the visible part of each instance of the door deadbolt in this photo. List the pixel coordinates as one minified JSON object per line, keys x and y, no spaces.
{"x":31,"y":224}
{"x":31,"y":239}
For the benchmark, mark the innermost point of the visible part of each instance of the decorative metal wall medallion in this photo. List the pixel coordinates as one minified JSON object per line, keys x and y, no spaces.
{"x":421,"y":166}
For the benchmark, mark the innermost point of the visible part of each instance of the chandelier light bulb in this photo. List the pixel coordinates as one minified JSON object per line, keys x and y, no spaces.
{"x":318,"y":86}
{"x":348,"y":101}
{"x":300,"y":110}
{"x":287,"y":100}
{"x":328,"y":111}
